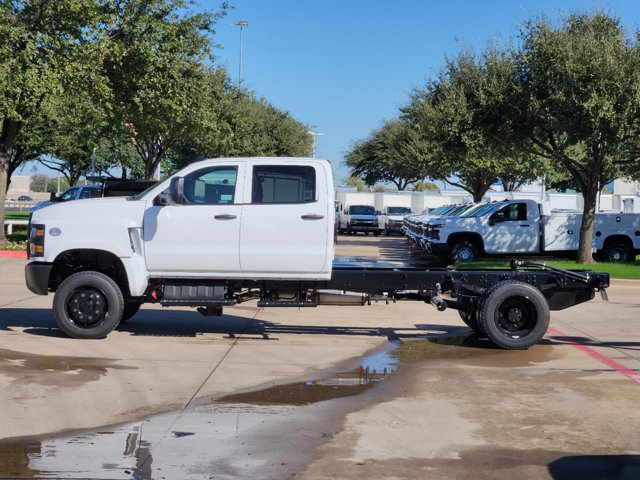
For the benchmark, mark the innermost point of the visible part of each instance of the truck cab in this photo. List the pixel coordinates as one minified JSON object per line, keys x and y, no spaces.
{"x":359,"y":218}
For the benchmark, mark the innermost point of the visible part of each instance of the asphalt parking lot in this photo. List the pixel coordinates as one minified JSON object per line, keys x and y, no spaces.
{"x":382,"y":391}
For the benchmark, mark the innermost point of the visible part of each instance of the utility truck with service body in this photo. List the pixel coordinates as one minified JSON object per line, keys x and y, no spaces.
{"x":518,"y":227}
{"x":221,"y":232}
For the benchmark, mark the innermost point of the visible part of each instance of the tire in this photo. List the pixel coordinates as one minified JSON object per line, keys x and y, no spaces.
{"x":464,"y":252}
{"x":617,"y":253}
{"x":471,"y":320}
{"x":129,"y":310}
{"x":376,"y":233}
{"x":88,"y":305}
{"x":514,"y":315}
{"x":349,"y":232}
{"x":387,"y":232}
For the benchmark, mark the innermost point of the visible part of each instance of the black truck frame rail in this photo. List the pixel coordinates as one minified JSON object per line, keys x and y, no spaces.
{"x":510,"y":307}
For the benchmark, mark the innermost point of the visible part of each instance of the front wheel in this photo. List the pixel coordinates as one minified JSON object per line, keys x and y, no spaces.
{"x":514,"y":315}
{"x":88,"y":305}
{"x":464,"y":252}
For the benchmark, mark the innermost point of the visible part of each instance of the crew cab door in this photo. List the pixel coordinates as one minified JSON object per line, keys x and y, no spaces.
{"x":284,"y":224}
{"x":202,"y":235}
{"x":512,"y":229}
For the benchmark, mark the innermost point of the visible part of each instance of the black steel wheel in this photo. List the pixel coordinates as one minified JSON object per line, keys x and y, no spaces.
{"x":88,"y":305}
{"x":471,"y":320}
{"x":514,"y":315}
{"x":617,"y":253}
{"x":130,"y":309}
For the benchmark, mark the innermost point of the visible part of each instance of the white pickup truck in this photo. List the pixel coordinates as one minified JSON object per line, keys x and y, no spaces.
{"x":520,"y":227}
{"x":221,"y":232}
{"x":391,"y":219}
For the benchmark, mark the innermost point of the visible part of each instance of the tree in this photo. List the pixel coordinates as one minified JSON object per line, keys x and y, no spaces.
{"x":574,"y":102}
{"x":450,"y":114}
{"x":251,"y":126}
{"x":39,"y":41}
{"x":389,"y":155}
{"x":39,"y":183}
{"x":155,"y":58}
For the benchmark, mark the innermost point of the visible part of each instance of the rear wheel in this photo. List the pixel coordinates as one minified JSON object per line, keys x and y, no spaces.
{"x":617,"y":253}
{"x":88,"y":305}
{"x":471,"y":320}
{"x":514,"y":315}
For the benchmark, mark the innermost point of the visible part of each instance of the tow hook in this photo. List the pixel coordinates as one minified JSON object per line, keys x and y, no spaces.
{"x":436,"y":300}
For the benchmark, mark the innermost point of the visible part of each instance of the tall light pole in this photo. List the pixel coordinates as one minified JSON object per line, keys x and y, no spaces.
{"x":242,"y":24}
{"x":314,"y":135}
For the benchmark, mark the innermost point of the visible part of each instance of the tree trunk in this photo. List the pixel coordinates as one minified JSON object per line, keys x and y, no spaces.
{"x":585,"y":249}
{"x":3,"y":196}
{"x":8,"y":136}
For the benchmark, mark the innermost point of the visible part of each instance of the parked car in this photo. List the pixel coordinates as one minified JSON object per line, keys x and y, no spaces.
{"x":25,"y":198}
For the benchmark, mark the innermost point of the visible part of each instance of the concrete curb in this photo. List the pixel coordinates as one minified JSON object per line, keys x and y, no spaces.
{"x":13,"y":254}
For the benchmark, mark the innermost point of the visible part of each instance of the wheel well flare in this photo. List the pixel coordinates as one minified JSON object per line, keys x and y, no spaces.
{"x":73,"y":261}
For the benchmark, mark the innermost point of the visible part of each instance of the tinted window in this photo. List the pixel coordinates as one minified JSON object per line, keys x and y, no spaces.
{"x":361,"y":210}
{"x":283,"y":184}
{"x":211,"y":186}
{"x":69,"y":194}
{"x":399,"y":210}
{"x":513,"y":212}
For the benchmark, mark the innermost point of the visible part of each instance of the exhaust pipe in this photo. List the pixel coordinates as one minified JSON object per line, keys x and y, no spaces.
{"x":335,"y":297}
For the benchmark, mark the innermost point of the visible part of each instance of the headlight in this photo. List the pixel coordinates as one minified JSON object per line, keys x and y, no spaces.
{"x":35,"y":245}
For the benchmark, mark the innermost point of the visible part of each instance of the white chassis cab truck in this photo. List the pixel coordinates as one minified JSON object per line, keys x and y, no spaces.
{"x":221,"y":232}
{"x":519,"y":227}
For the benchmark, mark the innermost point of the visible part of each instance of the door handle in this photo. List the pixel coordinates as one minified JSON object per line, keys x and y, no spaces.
{"x":525,"y":225}
{"x":312,"y":216}
{"x":225,"y":216}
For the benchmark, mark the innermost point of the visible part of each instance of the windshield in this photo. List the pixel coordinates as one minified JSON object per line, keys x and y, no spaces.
{"x":361,"y":210}
{"x":399,"y":210}
{"x":482,"y":210}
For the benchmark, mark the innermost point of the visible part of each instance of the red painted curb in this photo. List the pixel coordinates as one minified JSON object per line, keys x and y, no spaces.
{"x":13,"y":254}
{"x":609,"y":362}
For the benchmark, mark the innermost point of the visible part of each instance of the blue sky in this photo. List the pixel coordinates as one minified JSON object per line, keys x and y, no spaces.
{"x":345,"y":66}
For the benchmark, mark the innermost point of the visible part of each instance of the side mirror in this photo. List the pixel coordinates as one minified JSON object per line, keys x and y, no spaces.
{"x":174,"y":195}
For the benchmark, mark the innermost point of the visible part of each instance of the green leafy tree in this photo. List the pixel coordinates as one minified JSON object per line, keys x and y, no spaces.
{"x":450,"y":115}
{"x":389,"y":155}
{"x":155,"y":58}
{"x":575,"y":102}
{"x":39,"y":45}
{"x":355,"y":182}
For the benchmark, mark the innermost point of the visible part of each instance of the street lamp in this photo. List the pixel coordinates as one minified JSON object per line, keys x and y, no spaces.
{"x":242,"y":24}
{"x":314,"y":135}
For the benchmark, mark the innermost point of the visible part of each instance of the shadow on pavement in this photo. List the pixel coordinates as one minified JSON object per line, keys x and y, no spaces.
{"x":596,"y":467}
{"x":178,"y":323}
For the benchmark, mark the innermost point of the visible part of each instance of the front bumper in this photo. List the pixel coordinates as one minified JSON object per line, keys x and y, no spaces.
{"x":364,"y":228}
{"x":440,"y":249}
{"x":37,"y":277}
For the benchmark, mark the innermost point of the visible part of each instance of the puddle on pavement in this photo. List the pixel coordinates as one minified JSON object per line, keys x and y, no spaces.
{"x":373,"y":368}
{"x":53,"y":370}
{"x":123,"y":453}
